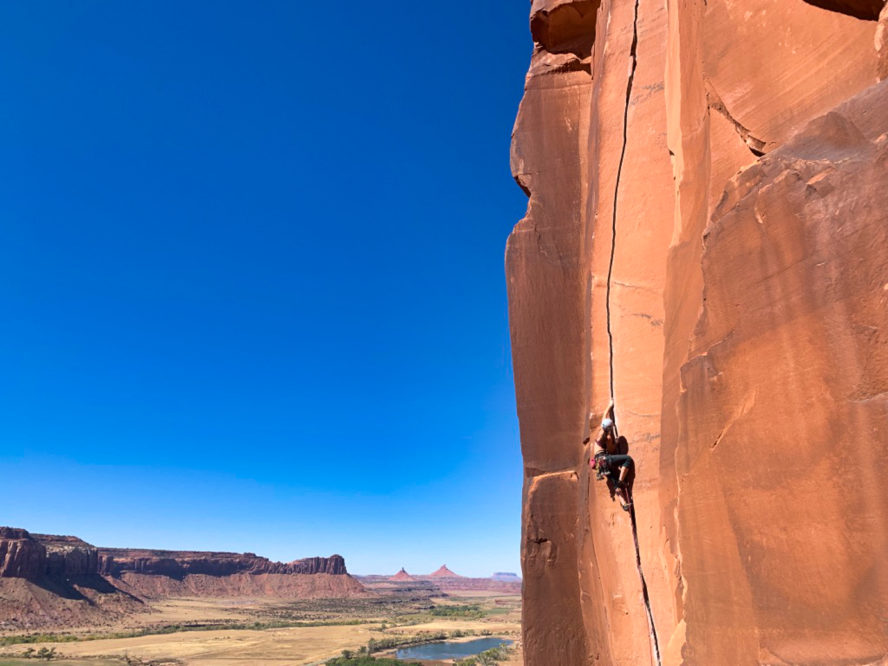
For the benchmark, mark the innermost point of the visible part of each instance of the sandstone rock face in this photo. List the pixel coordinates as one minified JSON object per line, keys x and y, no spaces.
{"x":164,"y":573}
{"x":52,"y":581}
{"x":812,"y":217}
{"x":60,"y":562}
{"x":21,"y":556}
{"x":33,"y":556}
{"x":281,"y":586}
{"x":333,"y":565}
{"x":176,"y":564}
{"x":68,"y":556}
{"x":705,"y":242}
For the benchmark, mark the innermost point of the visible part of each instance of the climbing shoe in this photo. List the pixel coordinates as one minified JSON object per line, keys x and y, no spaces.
{"x":627,"y":507}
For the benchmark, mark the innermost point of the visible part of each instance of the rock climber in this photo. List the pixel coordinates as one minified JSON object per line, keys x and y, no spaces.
{"x":610,"y":458}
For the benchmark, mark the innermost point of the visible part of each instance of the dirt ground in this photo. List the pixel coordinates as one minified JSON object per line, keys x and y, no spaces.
{"x":271,"y":647}
{"x":348,"y":625}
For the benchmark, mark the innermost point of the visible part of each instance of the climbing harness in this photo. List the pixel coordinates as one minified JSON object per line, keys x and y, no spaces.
{"x":601,"y":464}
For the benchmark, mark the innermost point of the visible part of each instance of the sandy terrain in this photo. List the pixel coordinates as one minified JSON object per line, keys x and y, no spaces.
{"x":272,"y":647}
{"x":291,"y":646}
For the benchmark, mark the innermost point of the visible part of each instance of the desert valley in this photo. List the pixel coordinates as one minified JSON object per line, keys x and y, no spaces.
{"x":63,"y":598}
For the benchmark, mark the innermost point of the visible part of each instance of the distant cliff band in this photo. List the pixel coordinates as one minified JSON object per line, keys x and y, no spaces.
{"x":34,"y":556}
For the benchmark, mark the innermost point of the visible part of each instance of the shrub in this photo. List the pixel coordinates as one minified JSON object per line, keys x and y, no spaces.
{"x":370,"y":661}
{"x":46,"y":653}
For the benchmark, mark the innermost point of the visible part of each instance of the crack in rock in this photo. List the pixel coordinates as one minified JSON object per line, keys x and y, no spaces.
{"x":633,"y":58}
{"x":756,"y":146}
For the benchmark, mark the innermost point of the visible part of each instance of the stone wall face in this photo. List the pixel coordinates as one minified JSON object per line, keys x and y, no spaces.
{"x":176,"y":563}
{"x":705,"y":241}
{"x":21,"y":556}
{"x":34,"y":556}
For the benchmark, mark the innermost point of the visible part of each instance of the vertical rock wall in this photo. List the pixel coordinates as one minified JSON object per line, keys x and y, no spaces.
{"x":705,"y":240}
{"x":544,"y":257}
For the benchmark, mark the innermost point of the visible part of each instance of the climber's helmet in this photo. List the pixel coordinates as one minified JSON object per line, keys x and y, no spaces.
{"x":607,"y":424}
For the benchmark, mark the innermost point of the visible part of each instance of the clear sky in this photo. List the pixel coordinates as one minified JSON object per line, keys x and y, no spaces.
{"x":251,"y":276}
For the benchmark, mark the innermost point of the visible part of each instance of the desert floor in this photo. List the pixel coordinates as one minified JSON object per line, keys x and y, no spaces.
{"x":211,"y":632}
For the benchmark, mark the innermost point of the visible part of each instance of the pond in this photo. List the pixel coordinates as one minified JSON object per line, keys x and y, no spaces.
{"x":450,"y":649}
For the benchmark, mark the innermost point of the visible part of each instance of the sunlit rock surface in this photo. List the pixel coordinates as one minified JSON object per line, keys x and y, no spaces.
{"x":713,"y":176}
{"x":61,"y":581}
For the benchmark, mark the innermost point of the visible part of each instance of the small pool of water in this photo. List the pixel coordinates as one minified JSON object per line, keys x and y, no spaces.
{"x":450,"y":649}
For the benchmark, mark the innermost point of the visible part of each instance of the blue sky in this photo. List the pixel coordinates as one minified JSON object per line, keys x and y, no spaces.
{"x":251,"y":273}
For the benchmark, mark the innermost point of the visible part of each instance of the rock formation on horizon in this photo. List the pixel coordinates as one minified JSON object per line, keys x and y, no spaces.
{"x":28,"y":555}
{"x":402,"y":575}
{"x":506,"y":576}
{"x":444,"y":572}
{"x":443,"y":580}
{"x":707,"y":240}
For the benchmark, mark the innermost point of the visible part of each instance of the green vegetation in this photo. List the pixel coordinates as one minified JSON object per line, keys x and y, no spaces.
{"x":135,"y":661}
{"x":39,"y":638}
{"x":369,"y":661}
{"x":173,"y":629}
{"x":378,"y":645}
{"x":399,"y":609}
{"x":487,"y":658}
{"x":472,"y":611}
{"x":43,"y":653}
{"x":390,"y":613}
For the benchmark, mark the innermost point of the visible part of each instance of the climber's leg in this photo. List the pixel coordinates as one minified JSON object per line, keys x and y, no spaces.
{"x":624,"y":466}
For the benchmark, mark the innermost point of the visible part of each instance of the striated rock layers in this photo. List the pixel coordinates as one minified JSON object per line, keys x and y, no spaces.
{"x":26,"y":555}
{"x":162,"y":573}
{"x":21,"y":556}
{"x":50,"y":580}
{"x":706,"y":241}
{"x":177,"y":564}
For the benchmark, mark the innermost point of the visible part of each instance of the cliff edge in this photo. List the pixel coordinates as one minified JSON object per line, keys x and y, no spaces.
{"x":62,"y":581}
{"x":705,"y":242}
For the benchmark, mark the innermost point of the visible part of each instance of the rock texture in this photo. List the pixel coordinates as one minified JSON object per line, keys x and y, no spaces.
{"x":86,"y":601}
{"x":53,"y":581}
{"x":444,"y":572}
{"x":68,"y":556}
{"x":282,"y":586}
{"x":165,"y":573}
{"x":705,"y":242}
{"x":177,"y":564}
{"x":50,"y":580}
{"x":26,"y":555}
{"x":21,"y":556}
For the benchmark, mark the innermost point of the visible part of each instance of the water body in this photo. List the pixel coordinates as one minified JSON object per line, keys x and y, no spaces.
{"x":450,"y":649}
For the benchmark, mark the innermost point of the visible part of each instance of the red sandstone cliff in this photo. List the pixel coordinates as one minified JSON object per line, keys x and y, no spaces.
{"x":705,"y":240}
{"x":49,"y":580}
{"x":177,"y":563}
{"x":21,"y":556}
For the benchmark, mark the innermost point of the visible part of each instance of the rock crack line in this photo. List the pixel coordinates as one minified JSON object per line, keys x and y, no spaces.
{"x":633,"y":57}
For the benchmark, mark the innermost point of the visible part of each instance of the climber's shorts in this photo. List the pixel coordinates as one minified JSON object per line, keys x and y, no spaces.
{"x":614,"y":463}
{"x":617,"y":461}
